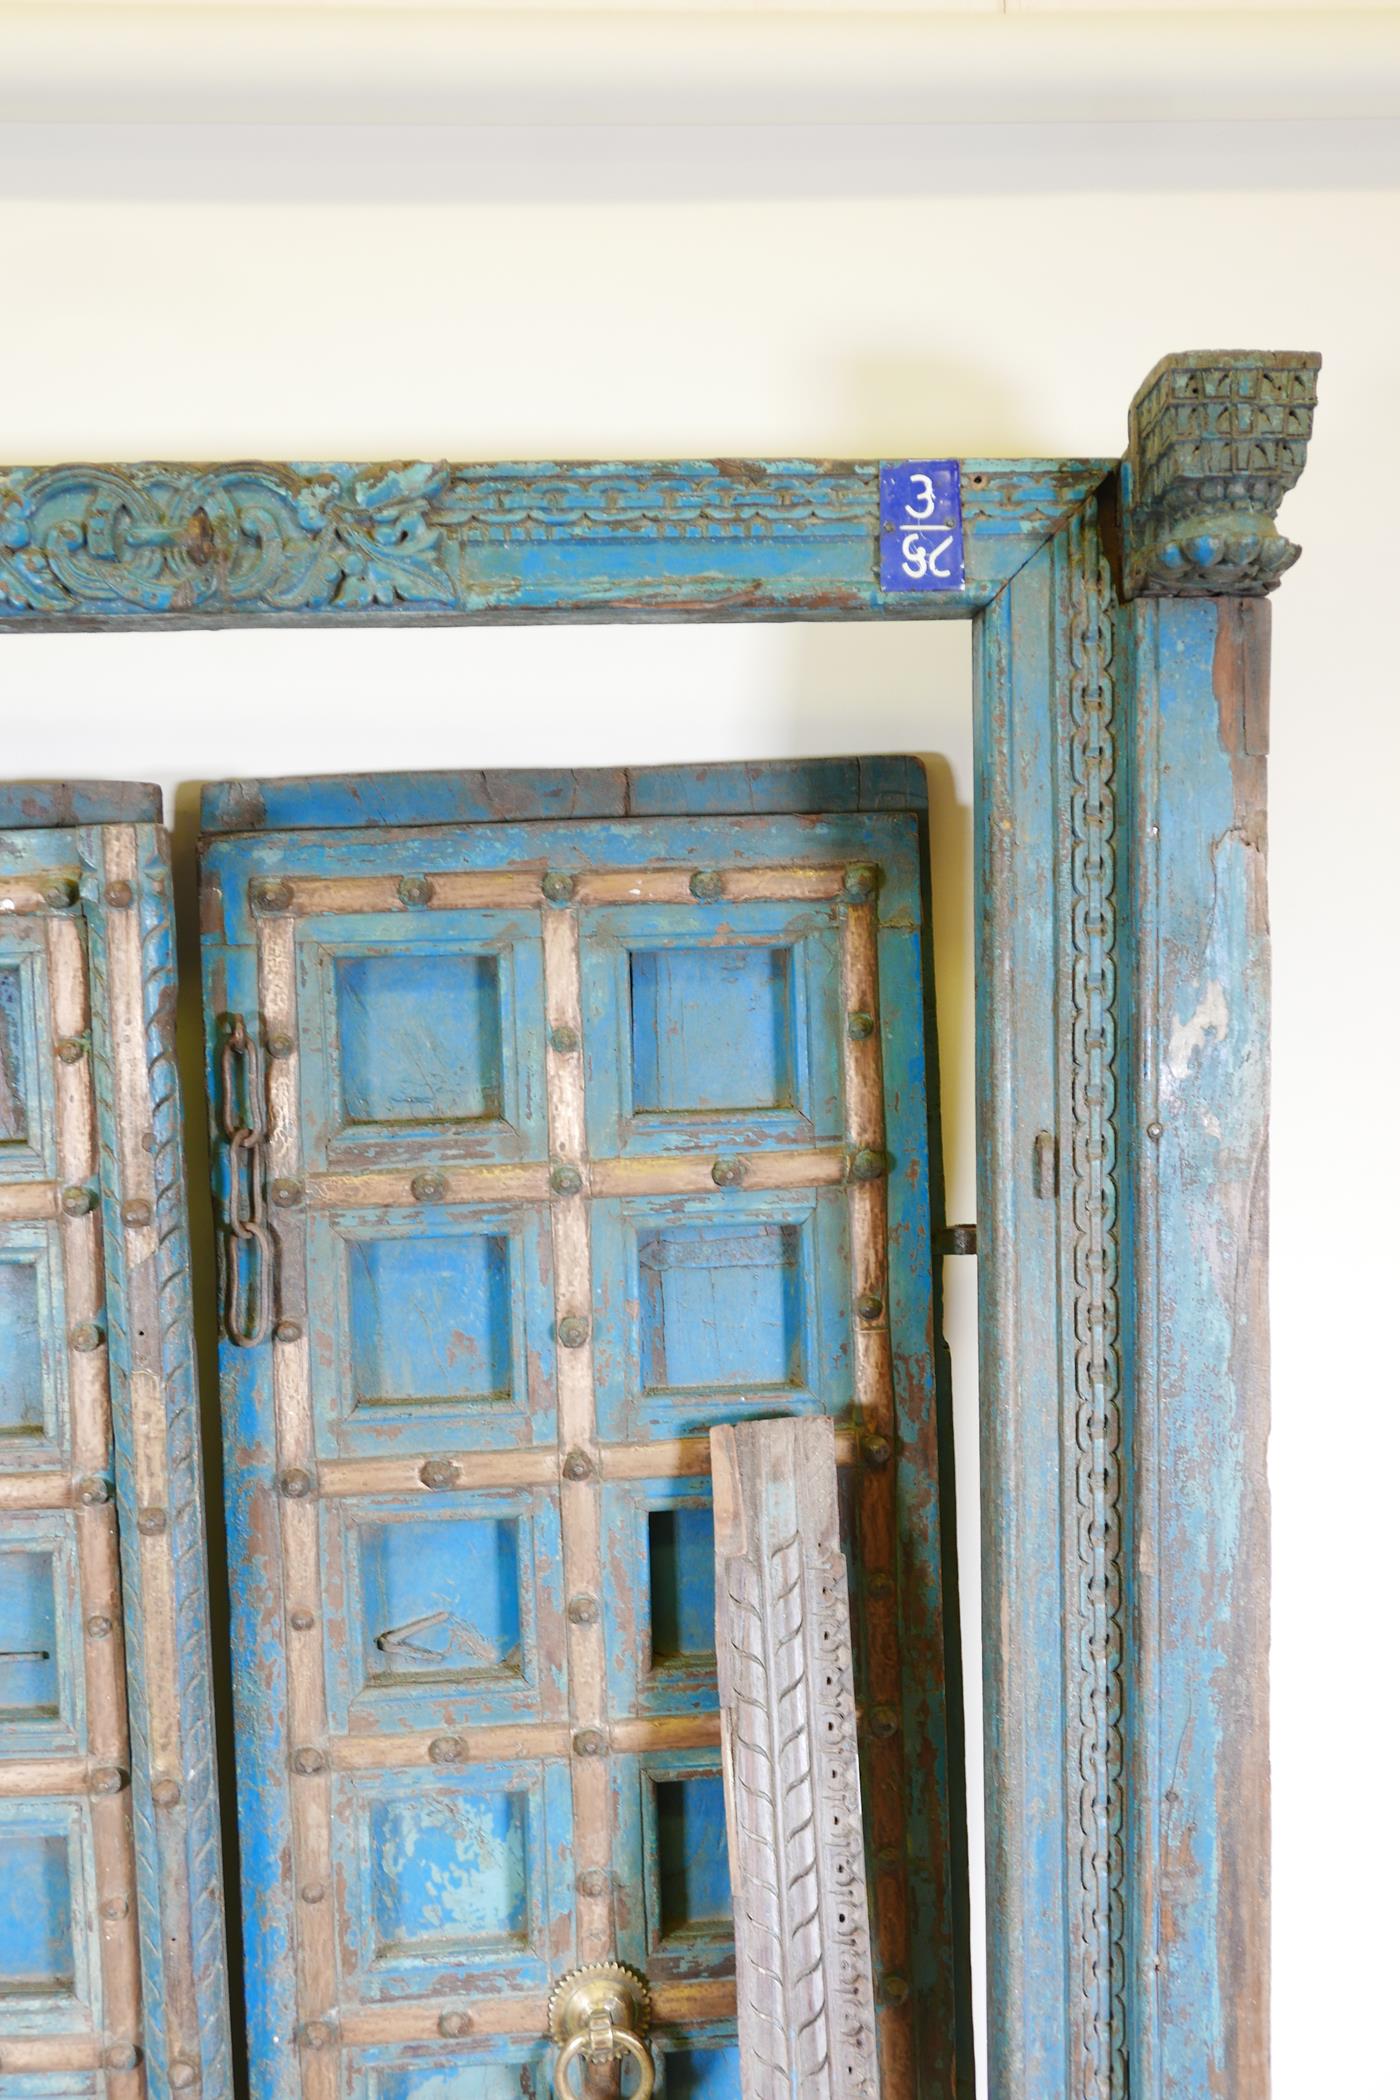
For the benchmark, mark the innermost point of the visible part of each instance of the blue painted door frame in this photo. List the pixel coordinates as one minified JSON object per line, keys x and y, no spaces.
{"x":1122,"y":653}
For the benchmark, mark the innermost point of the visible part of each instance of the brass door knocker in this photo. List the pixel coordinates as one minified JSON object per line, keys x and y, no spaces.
{"x":600,"y":2014}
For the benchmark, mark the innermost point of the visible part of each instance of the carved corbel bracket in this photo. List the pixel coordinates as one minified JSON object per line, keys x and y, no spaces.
{"x":1216,"y":438}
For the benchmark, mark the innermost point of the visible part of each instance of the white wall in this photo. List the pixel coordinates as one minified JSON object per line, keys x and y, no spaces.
{"x":947,"y":291}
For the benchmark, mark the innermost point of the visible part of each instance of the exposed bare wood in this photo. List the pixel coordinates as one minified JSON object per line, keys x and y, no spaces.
{"x":519,"y":888}
{"x":791,"y":1769}
{"x":500,"y":1743}
{"x":35,"y":1490}
{"x":52,"y":2052}
{"x":27,"y":1202}
{"x":680,"y":2006}
{"x":389,"y":1187}
{"x":24,"y":895}
{"x":693,"y":1174}
{"x":673,"y":885}
{"x":27,"y":1778}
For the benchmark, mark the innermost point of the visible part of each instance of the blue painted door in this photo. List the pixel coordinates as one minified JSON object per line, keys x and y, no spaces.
{"x":560,"y":1162}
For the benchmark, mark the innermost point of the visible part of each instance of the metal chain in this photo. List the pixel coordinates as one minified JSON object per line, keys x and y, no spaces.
{"x":245,"y":1133}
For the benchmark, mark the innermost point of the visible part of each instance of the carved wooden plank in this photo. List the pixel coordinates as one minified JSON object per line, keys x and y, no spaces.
{"x":791,"y":1775}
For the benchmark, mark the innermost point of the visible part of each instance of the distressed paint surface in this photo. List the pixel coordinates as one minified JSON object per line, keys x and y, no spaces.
{"x":435,"y":1313}
{"x":111,"y":1946}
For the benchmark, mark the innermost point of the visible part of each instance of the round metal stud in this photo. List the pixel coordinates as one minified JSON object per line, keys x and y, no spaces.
{"x":285,"y":1194}
{"x":306,"y":1762}
{"x":594,"y":1881}
{"x":894,"y":1989}
{"x":166,"y":1793}
{"x":707,"y":884}
{"x":92,"y":1491}
{"x":76,"y":1202}
{"x":889,"y":1857}
{"x":296,"y":1483}
{"x":122,"y":2056}
{"x":870,"y":1305}
{"x":573,"y":1331}
{"x":85,"y":1337}
{"x":136,"y":1212}
{"x":115,"y":1908}
{"x":415,"y":889}
{"x":302,"y":1620}
{"x":578,"y":1466}
{"x":877,"y":1450}
{"x":884,"y":1723}
{"x":151,"y":1522}
{"x":314,"y":1892}
{"x":558,"y":889}
{"x":428,"y":1188}
{"x":879,"y":1586}
{"x":106,"y":1779}
{"x":867,"y":1165}
{"x":280,"y":1046}
{"x":316,"y":2034}
{"x":860,"y":1026}
{"x":563,"y":1040}
{"x":446,"y":1749}
{"x":287,"y":1331}
{"x":590,"y":1742}
{"x":98,"y":1626}
{"x":860,"y":882}
{"x":71,"y":1050}
{"x":271,"y":896}
{"x":438,"y":1473}
{"x":119,"y":895}
{"x":565,"y":1178}
{"x":61,"y":895}
{"x":583,"y":1610}
{"x":1154,"y":1131}
{"x":727,"y":1173}
{"x":181,"y":2073}
{"x":453,"y":2025}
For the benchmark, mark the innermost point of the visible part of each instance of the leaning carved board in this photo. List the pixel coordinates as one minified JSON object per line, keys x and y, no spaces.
{"x":111,"y":1924}
{"x":543,"y":1147}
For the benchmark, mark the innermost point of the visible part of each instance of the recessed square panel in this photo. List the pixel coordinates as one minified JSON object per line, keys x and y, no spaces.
{"x":36,"y":1916}
{"x":21,"y":1347}
{"x":702,"y":2074}
{"x":14,"y":1114}
{"x":29,"y":1683}
{"x":681,"y":1559}
{"x":420,"y":1038}
{"x":430,"y":1319}
{"x":440,"y":1601}
{"x":449,"y":1874}
{"x":712,"y":1029}
{"x":692,"y":1856}
{"x":721,"y":1306}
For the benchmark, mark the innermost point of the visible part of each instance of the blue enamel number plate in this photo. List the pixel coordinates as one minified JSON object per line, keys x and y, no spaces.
{"x":921,"y":541}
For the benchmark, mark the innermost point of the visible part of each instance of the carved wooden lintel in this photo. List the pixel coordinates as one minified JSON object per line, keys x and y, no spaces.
{"x":791,"y":1774}
{"x":1216,"y":439}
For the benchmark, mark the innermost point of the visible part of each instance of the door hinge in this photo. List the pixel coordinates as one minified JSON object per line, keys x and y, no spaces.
{"x":955,"y":1239}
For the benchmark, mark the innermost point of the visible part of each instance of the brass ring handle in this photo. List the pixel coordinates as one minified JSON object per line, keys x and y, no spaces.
{"x":599,"y":2014}
{"x":621,"y":2044}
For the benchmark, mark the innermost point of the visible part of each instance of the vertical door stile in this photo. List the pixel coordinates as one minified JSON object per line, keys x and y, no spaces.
{"x":580,"y":1498}
{"x":299,"y":1527}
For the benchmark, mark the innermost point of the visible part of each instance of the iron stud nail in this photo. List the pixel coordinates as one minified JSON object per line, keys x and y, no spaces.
{"x":1154,"y":1131}
{"x":883,"y":1723}
{"x":880,"y":1585}
{"x":727,"y":1173}
{"x":578,"y":1466}
{"x":279,"y":1046}
{"x":563,"y":1040}
{"x":122,"y":2056}
{"x":428,"y":1188}
{"x":446,"y":1749}
{"x":860,"y":882}
{"x":182,"y":2073}
{"x":860,"y":1026}
{"x":115,"y":1908}
{"x":136,"y":1212}
{"x":438,"y":1473}
{"x":93,"y":1490}
{"x":86,"y":1337}
{"x":894,"y":1990}
{"x":287,"y":1331}
{"x":870,"y":1305}
{"x":106,"y":1779}
{"x":98,"y":1626}
{"x":271,"y":896}
{"x":119,"y":895}
{"x":314,"y":1892}
{"x":867,"y":1164}
{"x":453,"y":2024}
{"x":285,"y":1194}
{"x":316,"y":2034}
{"x":590,"y":1742}
{"x":307,"y":1762}
{"x":61,"y":895}
{"x":296,"y":1483}
{"x":558,"y":889}
{"x":415,"y":889}
{"x":166,"y":1793}
{"x":71,"y":1049}
{"x":707,"y":884}
{"x":583,"y":1610}
{"x":877,"y":1450}
{"x":76,"y":1202}
{"x":594,"y":1881}
{"x":151,"y":1522}
{"x":302,"y":1619}
{"x":573,"y":1331}
{"x":565,"y":1178}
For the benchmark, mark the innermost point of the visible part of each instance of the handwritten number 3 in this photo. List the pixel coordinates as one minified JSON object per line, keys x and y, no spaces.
{"x":924,"y":509}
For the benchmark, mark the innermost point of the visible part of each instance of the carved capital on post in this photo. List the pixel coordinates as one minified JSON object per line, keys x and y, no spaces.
{"x":1216,"y":438}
